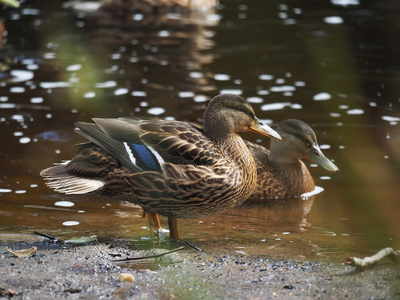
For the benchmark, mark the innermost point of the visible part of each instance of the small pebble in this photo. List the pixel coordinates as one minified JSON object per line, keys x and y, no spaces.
{"x":126,"y":277}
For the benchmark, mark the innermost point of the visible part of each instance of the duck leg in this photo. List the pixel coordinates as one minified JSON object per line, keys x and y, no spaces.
{"x":154,"y":222}
{"x":173,"y":229}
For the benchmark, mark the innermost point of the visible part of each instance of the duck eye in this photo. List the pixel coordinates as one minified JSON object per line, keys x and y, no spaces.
{"x":241,"y":108}
{"x":308,"y":144}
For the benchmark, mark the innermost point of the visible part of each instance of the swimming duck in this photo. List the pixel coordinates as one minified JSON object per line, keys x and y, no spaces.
{"x":170,"y":168}
{"x":280,"y":171}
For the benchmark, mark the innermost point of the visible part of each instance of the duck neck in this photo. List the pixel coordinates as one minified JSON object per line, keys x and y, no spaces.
{"x":295,"y":175}
{"x":216,"y":130}
{"x":240,"y":162}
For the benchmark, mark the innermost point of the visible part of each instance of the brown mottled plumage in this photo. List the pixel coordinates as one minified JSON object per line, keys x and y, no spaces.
{"x":169,"y":168}
{"x":280,"y":171}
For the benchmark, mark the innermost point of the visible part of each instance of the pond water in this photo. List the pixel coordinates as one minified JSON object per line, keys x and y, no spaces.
{"x":333,"y":64}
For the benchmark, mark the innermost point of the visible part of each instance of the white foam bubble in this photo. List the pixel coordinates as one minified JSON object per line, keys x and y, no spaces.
{"x":139,"y":94}
{"x":70,"y":223}
{"x":222,"y":77}
{"x":255,"y":100}
{"x":106,"y":84}
{"x":75,"y":67}
{"x":275,"y":106}
{"x":21,"y":75}
{"x":333,"y":20}
{"x":156,"y":111}
{"x":356,"y":111}
{"x":266,"y":77}
{"x":24,"y":140}
{"x":64,"y":203}
{"x":36,"y":100}
{"x":186,"y":94}
{"x":322,"y":97}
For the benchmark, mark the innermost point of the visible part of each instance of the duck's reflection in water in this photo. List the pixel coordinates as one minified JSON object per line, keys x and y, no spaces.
{"x":281,"y":214}
{"x":159,"y":45}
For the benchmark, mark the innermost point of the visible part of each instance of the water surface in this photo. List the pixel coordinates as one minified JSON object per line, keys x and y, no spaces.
{"x":332,"y":64}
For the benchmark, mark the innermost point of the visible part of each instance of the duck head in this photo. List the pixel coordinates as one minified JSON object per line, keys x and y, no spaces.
{"x":227,"y":114}
{"x":298,"y":141}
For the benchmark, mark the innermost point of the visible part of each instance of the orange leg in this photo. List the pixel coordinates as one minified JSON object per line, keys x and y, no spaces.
{"x":150,"y":220}
{"x":154,"y":222}
{"x":173,"y":229}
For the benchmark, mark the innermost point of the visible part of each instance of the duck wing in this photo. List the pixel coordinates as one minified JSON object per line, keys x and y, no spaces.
{"x":146,"y":145}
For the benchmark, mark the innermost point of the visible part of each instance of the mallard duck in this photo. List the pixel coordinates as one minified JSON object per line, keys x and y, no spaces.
{"x":280,"y":171}
{"x":170,"y":168}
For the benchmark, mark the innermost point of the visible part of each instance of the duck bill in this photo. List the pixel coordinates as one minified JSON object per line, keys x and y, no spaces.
{"x":261,"y":128}
{"x":316,"y":155}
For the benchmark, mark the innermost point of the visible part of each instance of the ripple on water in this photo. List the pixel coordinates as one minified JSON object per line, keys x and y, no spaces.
{"x":106,"y":84}
{"x":356,"y":111}
{"x":89,"y":95}
{"x":139,"y":94}
{"x":17,"y":89}
{"x":21,"y":75}
{"x":266,"y":77}
{"x":186,"y":94}
{"x":64,"y":203}
{"x":282,"y":88}
{"x":121,"y":91}
{"x":333,"y":20}
{"x":24,"y":140}
{"x":255,"y":100}
{"x":70,"y":223}
{"x":322,"y":97}
{"x":222,"y":77}
{"x":156,"y":111}
{"x":36,"y":100}
{"x":317,"y":190}
{"x":391,"y":119}
{"x":275,"y":106}
{"x":73,"y":68}
{"x":263,"y":92}
{"x":200,"y":98}
{"x":196,"y":75}
{"x":345,"y":2}
{"x":231,"y":91}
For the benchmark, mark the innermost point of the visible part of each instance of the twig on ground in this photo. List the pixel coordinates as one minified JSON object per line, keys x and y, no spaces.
{"x":363,"y":263}
{"x":48,"y":236}
{"x":193,"y":246}
{"x":147,"y":257}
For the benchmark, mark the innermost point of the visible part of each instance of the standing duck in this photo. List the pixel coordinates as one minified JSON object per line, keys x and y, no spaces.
{"x":170,"y":168}
{"x":280,"y":171}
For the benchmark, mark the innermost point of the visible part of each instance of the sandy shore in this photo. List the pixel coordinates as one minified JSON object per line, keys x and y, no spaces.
{"x":88,"y":272}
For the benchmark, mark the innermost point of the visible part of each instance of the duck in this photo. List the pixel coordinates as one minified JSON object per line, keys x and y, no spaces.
{"x":281,"y":173}
{"x":169,"y":168}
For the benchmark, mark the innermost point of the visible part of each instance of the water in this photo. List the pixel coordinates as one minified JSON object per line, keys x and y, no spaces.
{"x":334,"y":65}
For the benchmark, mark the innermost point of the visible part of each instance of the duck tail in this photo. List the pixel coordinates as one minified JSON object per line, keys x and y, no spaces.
{"x":61,"y":181}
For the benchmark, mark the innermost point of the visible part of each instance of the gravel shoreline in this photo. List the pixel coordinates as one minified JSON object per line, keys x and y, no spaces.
{"x":88,"y":272}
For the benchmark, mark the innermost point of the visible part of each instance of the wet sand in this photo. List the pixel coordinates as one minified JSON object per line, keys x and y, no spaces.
{"x":88,"y":272}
